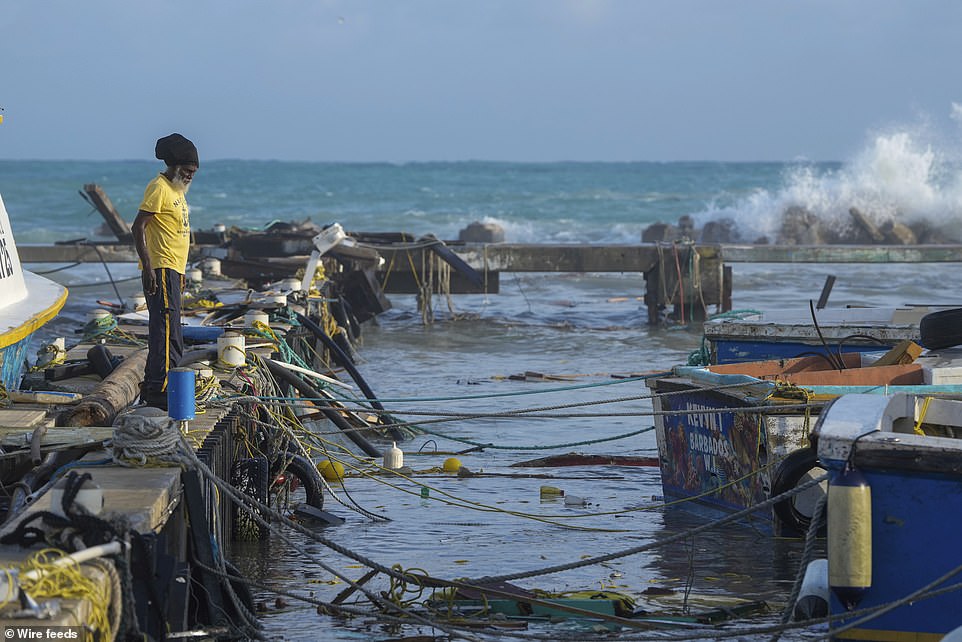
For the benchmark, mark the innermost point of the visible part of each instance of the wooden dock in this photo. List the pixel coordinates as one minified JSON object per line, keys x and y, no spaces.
{"x":169,"y":510}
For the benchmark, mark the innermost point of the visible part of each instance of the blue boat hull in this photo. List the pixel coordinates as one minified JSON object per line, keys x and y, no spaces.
{"x":740,"y":351}
{"x":716,"y":460}
{"x":915,"y":537}
{"x":904,"y":453}
{"x":12,"y":362}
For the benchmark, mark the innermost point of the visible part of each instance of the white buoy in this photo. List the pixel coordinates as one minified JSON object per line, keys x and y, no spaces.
{"x":255,"y":315}
{"x":279,"y":300}
{"x":139,"y":301}
{"x":195,"y":276}
{"x":292,"y":285}
{"x":220,"y":228}
{"x":393,"y":457}
{"x":231,"y":349}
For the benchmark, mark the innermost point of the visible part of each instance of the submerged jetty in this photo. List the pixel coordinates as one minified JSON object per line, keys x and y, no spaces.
{"x":686,"y":271}
{"x":119,"y":520}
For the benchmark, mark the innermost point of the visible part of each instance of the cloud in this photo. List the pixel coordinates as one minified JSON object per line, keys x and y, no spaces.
{"x":956,"y":113}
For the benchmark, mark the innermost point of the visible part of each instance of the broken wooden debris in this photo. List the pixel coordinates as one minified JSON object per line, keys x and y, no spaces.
{"x":577,"y":459}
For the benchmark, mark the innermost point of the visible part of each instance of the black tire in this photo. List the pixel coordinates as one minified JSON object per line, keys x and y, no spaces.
{"x":942,"y":329}
{"x":310,"y":480}
{"x":794,"y":519}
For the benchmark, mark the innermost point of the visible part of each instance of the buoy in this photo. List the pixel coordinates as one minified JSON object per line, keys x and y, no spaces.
{"x":230,"y":349}
{"x":277,"y":300}
{"x":220,"y":228}
{"x":180,"y":394}
{"x":331,"y":470}
{"x":195,"y":276}
{"x":574,"y":500}
{"x":812,"y":599}
{"x":849,"y":536}
{"x":393,"y":457}
{"x":425,"y":492}
{"x":452,"y":465}
{"x":139,"y":301}
{"x":551,"y":492}
{"x":255,"y":315}
{"x":293,"y":285}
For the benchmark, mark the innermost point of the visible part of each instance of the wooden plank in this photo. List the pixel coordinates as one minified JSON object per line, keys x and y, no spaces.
{"x":96,"y":196}
{"x":76,"y":253}
{"x":17,"y":419}
{"x":147,"y":496}
{"x":524,"y":257}
{"x":19,"y":438}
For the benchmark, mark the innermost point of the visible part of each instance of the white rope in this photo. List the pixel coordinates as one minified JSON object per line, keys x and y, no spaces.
{"x":138,"y":438}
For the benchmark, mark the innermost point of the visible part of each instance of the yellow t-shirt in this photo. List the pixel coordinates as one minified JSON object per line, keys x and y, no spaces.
{"x":168,"y":230}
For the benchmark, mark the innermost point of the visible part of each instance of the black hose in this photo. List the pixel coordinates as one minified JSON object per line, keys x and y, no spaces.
{"x":342,"y":359}
{"x":306,"y":389}
{"x":838,"y":362}
{"x":38,"y":476}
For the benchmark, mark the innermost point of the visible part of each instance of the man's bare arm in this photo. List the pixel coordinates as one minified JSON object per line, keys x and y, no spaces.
{"x":139,"y":231}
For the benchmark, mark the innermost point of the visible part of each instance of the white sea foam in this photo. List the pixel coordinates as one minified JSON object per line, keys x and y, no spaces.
{"x":897,"y":176}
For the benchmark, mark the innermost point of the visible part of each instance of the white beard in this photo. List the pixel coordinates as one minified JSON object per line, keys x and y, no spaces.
{"x":180,"y":184}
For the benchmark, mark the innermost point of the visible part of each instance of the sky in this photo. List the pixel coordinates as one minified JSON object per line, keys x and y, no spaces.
{"x":447,"y":80}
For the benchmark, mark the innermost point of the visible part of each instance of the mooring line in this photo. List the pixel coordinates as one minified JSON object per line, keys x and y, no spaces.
{"x":661,"y":542}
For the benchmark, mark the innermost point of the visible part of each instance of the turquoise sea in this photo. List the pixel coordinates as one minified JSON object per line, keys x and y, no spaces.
{"x":582,"y":327}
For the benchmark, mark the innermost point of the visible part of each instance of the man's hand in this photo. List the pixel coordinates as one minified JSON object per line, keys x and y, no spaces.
{"x":149,"y":280}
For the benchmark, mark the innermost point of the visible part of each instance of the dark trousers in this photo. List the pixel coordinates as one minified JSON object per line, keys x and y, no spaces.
{"x":165,"y":341}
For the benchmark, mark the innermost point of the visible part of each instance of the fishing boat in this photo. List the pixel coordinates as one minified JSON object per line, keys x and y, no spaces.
{"x":785,"y":334}
{"x":732,"y":436}
{"x":894,"y":497}
{"x":27,"y":302}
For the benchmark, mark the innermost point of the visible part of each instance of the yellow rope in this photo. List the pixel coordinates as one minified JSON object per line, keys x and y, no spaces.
{"x":917,"y":429}
{"x":59,"y":356}
{"x":53,"y":578}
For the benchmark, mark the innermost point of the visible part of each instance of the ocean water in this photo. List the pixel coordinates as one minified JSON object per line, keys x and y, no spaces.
{"x":584,"y":329}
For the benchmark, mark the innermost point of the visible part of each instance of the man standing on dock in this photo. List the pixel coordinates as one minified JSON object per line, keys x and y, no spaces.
{"x":161,"y":233}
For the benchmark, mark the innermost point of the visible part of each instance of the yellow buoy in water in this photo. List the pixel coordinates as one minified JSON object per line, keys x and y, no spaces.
{"x":331,"y":470}
{"x":452,"y":465}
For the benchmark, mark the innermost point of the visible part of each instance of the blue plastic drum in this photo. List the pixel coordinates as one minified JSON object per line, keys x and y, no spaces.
{"x":180,"y":394}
